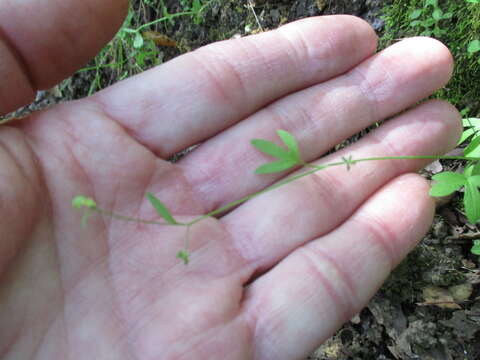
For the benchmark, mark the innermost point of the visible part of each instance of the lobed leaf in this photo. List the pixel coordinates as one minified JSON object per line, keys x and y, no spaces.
{"x":161,"y":209}
{"x":270,"y":148}
{"x":291,"y":143}
{"x":276,"y":166}
{"x":446,"y":183}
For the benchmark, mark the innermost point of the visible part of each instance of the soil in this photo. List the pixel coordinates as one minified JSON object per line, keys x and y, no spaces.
{"x":429,"y":308}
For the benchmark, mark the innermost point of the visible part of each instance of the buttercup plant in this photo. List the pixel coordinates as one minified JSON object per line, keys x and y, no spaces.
{"x":289,"y":157}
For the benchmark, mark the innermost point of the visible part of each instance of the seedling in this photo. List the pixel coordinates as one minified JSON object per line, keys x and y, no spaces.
{"x":288,"y":157}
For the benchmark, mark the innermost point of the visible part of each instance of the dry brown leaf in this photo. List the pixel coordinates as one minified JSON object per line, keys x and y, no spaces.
{"x":159,"y":39}
{"x":434,"y":295}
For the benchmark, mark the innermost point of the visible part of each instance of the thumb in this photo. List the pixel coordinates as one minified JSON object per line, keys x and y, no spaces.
{"x":44,"y":41}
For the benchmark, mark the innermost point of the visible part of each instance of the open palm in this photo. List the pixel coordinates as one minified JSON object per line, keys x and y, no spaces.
{"x":271,"y":279}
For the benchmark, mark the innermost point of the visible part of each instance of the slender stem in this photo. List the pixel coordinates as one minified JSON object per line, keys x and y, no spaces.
{"x":172,"y":16}
{"x":165,"y":18}
{"x":314,"y":168}
{"x":132,"y":219}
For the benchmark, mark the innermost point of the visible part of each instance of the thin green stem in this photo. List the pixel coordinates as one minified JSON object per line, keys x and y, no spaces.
{"x":165,"y":18}
{"x":132,"y":219}
{"x":172,"y":16}
{"x":314,"y":168}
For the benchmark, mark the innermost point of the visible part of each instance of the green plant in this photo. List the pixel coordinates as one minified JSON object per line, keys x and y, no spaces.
{"x":472,"y":134}
{"x":126,"y":55}
{"x":132,"y":50}
{"x":428,"y":19}
{"x":474,"y":45}
{"x":476,"y":247}
{"x":289,"y":157}
{"x":462,"y":28}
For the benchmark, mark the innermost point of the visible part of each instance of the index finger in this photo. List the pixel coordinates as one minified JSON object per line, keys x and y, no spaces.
{"x":199,"y":94}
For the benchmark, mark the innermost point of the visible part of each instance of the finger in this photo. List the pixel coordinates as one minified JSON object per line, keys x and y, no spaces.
{"x":319,"y":117}
{"x":21,"y":194}
{"x":43,"y":42}
{"x":311,"y":293}
{"x":197,"y":95}
{"x":314,"y":205}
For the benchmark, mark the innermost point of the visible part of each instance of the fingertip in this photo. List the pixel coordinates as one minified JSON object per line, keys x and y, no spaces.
{"x":349,"y":36}
{"x":431,"y":56}
{"x":411,"y":210}
{"x":452,"y":120}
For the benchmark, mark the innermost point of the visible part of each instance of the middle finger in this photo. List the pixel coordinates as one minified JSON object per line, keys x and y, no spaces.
{"x":222,"y":169}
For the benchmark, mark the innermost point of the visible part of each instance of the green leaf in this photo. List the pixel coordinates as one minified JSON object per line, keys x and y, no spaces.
{"x":426,"y":33}
{"x":270,"y":148}
{"x":474,"y":180}
{"x":471,"y":200}
{"x":437,"y":14}
{"x":446,"y":183}
{"x":196,"y":5}
{"x":291,"y":143}
{"x":472,"y":126}
{"x":416,"y":14}
{"x":415,"y":23}
{"x":473,"y":149}
{"x":276,"y":166}
{"x":476,"y":247}
{"x":471,"y":122}
{"x":81,"y":201}
{"x":161,"y":209}
{"x":473,"y":46}
{"x":184,"y":256}
{"x":138,"y":42}
{"x":465,"y":135}
{"x":472,"y":169}
{"x":450,"y":177}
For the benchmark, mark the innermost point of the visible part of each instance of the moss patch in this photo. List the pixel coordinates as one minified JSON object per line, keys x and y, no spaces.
{"x":456,"y":32}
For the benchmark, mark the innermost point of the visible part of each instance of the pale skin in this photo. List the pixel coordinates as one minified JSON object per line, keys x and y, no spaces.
{"x":271,"y":279}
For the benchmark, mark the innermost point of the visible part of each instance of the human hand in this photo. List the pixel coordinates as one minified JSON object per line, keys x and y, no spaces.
{"x":271,"y":279}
